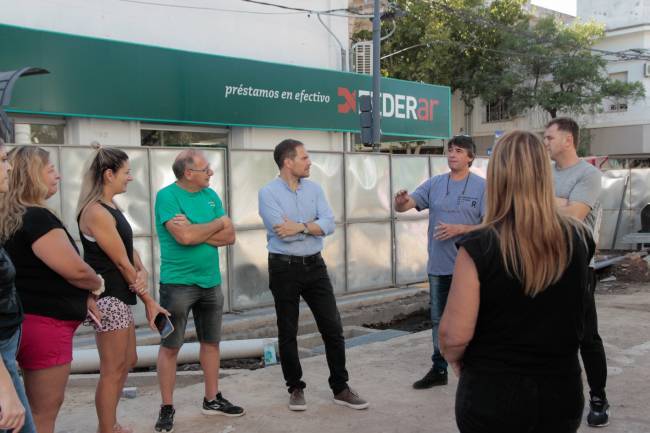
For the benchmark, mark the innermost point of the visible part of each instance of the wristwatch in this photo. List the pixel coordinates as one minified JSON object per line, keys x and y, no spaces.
{"x":306,"y":230}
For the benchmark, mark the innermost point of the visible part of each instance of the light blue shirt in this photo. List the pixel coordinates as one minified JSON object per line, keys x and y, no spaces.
{"x":452,"y":202}
{"x":307,"y":204}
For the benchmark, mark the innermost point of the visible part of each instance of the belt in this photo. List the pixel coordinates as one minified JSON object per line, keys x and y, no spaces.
{"x":305,"y":260}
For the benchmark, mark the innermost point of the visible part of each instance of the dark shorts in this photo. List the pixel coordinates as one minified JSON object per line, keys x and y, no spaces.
{"x":206,"y":306}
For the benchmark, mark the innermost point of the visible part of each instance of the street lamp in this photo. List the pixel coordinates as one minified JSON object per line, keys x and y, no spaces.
{"x":7,"y":81}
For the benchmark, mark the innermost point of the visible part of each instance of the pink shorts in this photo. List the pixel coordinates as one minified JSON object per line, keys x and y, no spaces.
{"x":45,"y":342}
{"x":116,"y":315}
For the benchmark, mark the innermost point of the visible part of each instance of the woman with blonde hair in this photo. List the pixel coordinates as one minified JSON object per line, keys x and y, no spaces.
{"x":54,"y":284}
{"x":514,"y":318}
{"x":107,"y":239}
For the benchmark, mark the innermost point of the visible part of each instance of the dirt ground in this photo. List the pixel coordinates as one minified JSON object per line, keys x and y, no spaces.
{"x":624,"y":276}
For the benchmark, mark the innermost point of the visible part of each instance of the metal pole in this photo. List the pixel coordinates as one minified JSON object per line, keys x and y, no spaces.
{"x":376,"y":54}
{"x":620,"y":211}
{"x":344,"y":53}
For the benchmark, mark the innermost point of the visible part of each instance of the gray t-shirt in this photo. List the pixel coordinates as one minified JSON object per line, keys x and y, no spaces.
{"x":580,"y":183}
{"x":453,"y":202}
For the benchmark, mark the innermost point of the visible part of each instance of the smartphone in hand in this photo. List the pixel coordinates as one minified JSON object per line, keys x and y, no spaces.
{"x":164,"y":325}
{"x":94,"y":318}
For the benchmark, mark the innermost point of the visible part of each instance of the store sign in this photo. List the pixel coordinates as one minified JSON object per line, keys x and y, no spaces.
{"x":100,"y":78}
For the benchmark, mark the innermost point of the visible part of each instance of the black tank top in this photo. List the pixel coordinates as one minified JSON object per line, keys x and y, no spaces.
{"x":517,"y":334}
{"x":116,"y":285}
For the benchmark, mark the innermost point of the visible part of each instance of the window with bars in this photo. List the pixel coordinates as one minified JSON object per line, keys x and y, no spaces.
{"x":497,"y":111}
{"x":617,"y":105}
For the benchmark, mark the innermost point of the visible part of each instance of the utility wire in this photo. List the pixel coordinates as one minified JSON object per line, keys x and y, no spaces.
{"x":521,"y":55}
{"x":289,"y":10}
{"x":531,"y":37}
{"x":179,"y":6}
{"x":263,"y":3}
{"x":464,"y":45}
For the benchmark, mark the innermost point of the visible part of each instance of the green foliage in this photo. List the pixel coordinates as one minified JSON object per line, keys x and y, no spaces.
{"x":460,"y":50}
{"x":498,"y":51}
{"x":562,"y":73}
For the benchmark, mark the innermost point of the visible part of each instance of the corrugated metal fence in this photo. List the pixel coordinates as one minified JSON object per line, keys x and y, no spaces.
{"x":372,"y":248}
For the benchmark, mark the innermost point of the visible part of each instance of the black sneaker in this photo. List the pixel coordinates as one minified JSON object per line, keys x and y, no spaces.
{"x":221,"y":406}
{"x":165,"y":421}
{"x":598,"y":412}
{"x":434,"y":377}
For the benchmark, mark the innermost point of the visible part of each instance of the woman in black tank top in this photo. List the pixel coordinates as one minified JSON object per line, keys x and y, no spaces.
{"x":515,"y":313}
{"x":107,"y":239}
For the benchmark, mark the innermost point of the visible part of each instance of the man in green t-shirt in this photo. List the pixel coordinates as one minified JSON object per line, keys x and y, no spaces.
{"x":191,"y":224}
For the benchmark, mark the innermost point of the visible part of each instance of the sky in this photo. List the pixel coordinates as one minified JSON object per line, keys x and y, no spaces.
{"x":566,"y":6}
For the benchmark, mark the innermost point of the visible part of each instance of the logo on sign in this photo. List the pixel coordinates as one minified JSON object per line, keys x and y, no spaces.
{"x":349,"y":100}
{"x":392,"y":105}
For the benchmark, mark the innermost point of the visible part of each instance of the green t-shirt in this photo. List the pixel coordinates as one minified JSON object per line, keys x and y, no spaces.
{"x":187,"y":264}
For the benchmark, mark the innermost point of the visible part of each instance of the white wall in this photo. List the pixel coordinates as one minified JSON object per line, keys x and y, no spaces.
{"x":268,"y":138}
{"x":615,"y":13}
{"x":81,"y":131}
{"x":277,"y":35}
{"x":638,"y":112}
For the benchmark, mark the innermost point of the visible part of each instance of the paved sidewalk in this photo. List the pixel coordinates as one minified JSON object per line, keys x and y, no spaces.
{"x":382,"y":372}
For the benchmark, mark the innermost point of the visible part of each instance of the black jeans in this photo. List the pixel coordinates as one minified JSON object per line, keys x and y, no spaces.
{"x":289,"y":281}
{"x":591,"y":347}
{"x":505,"y":403}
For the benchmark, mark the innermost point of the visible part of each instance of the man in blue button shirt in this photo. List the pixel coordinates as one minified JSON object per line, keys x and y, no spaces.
{"x":297,"y":217}
{"x":456,"y":205}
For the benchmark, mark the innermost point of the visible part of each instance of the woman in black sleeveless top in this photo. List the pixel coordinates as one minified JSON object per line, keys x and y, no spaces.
{"x":514,"y":317}
{"x":107,"y":239}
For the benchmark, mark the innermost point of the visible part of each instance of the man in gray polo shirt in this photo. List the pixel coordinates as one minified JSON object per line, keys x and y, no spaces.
{"x":577,"y":189}
{"x":456,"y":205}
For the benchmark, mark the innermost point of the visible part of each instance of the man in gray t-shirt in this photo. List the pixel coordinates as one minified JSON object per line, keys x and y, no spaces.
{"x":456,"y":203}
{"x":577,"y":188}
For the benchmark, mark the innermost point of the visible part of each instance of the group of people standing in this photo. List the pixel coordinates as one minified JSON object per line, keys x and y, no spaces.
{"x":512,"y":283}
{"x":47,"y":289}
{"x":512,"y":293}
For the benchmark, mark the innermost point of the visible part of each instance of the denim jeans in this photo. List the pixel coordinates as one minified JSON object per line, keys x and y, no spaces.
{"x":439,"y":291}
{"x":8,"y":349}
{"x":206,"y":305}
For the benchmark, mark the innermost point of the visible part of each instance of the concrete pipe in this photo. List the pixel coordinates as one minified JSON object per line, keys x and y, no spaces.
{"x":87,"y":360}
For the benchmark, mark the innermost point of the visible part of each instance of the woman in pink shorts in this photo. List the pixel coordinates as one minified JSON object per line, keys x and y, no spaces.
{"x":53,"y":282}
{"x":107,"y":239}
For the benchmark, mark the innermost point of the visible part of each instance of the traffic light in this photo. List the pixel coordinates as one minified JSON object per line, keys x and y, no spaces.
{"x":365,"y":118}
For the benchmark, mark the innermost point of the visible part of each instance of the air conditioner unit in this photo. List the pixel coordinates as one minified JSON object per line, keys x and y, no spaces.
{"x":646,"y":70}
{"x":362,"y":57}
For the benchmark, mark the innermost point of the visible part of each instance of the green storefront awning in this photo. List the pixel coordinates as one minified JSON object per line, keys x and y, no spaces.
{"x":100,"y":78}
